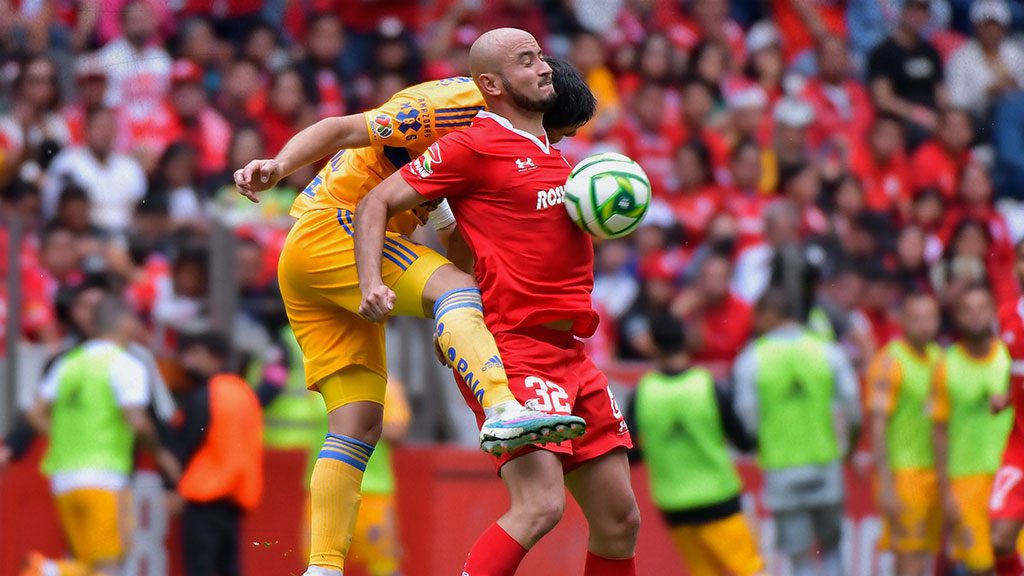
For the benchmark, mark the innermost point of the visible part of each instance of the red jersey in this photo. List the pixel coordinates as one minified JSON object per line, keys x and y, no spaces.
{"x":506,"y":189}
{"x":933,"y":167}
{"x":1011,"y":328}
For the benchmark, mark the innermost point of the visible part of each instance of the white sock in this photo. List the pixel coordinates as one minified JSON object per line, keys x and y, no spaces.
{"x":503,"y":407}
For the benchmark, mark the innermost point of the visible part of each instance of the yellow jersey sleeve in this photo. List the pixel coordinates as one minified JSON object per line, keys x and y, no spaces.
{"x":400,"y":130}
{"x":884,"y":377}
{"x":418,"y":116}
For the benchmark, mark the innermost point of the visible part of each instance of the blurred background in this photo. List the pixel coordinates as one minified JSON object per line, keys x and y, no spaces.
{"x":786,"y":143}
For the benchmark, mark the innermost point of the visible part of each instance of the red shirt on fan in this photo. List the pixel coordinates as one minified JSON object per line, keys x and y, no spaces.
{"x":886,"y":186}
{"x":506,"y":189}
{"x":933,"y":167}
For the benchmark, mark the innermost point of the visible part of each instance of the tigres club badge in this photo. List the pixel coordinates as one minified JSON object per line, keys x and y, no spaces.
{"x":382,"y":125}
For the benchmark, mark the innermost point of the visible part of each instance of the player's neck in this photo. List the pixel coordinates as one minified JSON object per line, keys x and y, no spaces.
{"x":531,"y":122}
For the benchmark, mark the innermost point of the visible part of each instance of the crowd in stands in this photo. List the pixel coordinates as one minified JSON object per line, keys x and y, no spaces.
{"x":850,"y":151}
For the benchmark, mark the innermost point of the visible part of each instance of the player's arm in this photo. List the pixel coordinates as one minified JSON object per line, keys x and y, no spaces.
{"x":882,"y":380}
{"x":392,"y":196}
{"x":459,"y":252}
{"x":446,"y":169}
{"x":311,"y":144}
{"x":940,"y":411}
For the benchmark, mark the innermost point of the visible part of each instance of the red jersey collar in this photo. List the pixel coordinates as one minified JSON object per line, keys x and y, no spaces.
{"x":544,"y":145}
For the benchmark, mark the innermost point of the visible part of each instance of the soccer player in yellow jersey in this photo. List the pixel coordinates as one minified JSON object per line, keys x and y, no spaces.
{"x":972,"y":378}
{"x":343,"y":352}
{"x":899,"y":386}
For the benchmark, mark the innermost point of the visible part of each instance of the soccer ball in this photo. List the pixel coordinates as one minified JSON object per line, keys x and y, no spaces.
{"x":607,"y":195}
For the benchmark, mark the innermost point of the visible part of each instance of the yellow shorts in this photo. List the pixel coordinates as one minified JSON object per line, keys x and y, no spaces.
{"x":970,"y":539}
{"x":320,"y":288}
{"x":95,"y":523}
{"x":919,"y":525}
{"x":375,"y":540}
{"x":725,"y":546}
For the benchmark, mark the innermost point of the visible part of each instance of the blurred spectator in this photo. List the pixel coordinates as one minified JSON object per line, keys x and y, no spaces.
{"x":91,"y":88}
{"x":231,"y":19}
{"x":787,"y":383}
{"x":801,"y":185}
{"x":34,"y":129}
{"x":710,"y":22}
{"x":287,"y":111}
{"x":938,"y":162}
{"x":196,"y":122}
{"x":242,"y":97}
{"x":912,"y":261}
{"x":259,"y":295}
{"x":699,"y":100}
{"x":710,"y":62}
{"x":647,"y":135}
{"x":114,"y":182}
{"x":615,"y":286}
{"x":754,"y":264}
{"x":219,"y":440}
{"x":658,"y":283}
{"x":588,"y":55}
{"x":804,"y":24}
{"x":696,"y":198}
{"x":843,"y":112}
{"x":747,"y":117}
{"x":882,"y":166}
{"x":321,"y":79}
{"x":765,"y":65}
{"x":74,"y":212}
{"x":181,"y":299}
{"x":174,"y":184}
{"x":138,"y":68}
{"x":927,"y":214}
{"x":791,"y":145}
{"x":720,"y":324}
{"x":262,"y":47}
{"x":989,"y":65}
{"x":906,"y":74}
{"x":744,"y":199}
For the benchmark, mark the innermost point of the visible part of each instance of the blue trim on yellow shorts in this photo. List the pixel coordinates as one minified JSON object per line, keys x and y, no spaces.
{"x":394,"y":250}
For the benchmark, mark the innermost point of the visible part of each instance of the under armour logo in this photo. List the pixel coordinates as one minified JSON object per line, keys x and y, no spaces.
{"x":525,"y":164}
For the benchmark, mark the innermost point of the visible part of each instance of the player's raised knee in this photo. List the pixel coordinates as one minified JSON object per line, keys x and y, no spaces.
{"x":543,"y":513}
{"x":444,"y":280}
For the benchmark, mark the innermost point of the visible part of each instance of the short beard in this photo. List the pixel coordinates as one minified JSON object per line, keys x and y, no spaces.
{"x":525,"y":102}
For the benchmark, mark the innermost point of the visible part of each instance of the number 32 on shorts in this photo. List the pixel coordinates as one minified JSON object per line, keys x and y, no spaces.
{"x":553,"y":398}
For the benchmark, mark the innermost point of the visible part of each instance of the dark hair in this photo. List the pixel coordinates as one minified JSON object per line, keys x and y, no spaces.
{"x":742,"y":145}
{"x":958,"y":230}
{"x":668,"y":334}
{"x":72,"y":192}
{"x":699,"y":148}
{"x":575,"y":104}
{"x":18,"y":190}
{"x":777,"y":300}
{"x":216,"y":343}
{"x":790,"y":172}
{"x":22,"y":78}
{"x":886,"y":117}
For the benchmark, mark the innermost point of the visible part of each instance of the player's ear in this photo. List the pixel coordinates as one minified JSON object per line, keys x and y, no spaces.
{"x":489,"y":84}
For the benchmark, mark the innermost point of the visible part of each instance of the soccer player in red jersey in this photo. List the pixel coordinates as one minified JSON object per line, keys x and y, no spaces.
{"x":1006,"y":506}
{"x":534,"y":267}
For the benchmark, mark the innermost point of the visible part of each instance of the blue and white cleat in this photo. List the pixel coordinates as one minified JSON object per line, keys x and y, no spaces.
{"x":510,"y":425}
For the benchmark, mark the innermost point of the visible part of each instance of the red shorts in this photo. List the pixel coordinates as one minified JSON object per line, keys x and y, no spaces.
{"x":553,"y":368}
{"x":1007,"y":500}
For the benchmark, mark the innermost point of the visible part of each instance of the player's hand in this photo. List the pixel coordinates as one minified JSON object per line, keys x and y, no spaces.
{"x":378,"y":302}
{"x":168,"y":464}
{"x":950,"y":511}
{"x":999,"y":402}
{"x":258,"y":176}
{"x":889,"y":505}
{"x":174,"y":503}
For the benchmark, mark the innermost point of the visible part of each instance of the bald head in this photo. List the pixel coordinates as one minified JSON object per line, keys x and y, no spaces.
{"x":495,"y":47}
{"x":508,"y":68}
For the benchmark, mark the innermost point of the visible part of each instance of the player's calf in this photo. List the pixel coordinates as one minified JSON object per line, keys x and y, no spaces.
{"x":1004,"y":546}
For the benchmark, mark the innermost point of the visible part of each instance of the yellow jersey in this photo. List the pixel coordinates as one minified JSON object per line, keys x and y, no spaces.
{"x":400,"y":131}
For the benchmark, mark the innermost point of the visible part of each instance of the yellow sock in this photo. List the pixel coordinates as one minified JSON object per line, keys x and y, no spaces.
{"x":469,"y":346}
{"x":335,"y":495}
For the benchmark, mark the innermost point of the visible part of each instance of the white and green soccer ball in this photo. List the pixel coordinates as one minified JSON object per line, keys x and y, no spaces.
{"x":607,"y":195}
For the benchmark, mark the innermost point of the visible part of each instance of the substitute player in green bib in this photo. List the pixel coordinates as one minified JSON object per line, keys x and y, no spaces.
{"x":94,"y":406}
{"x":973,"y":376}
{"x":787,"y":383}
{"x":682,"y":419}
{"x":899,"y":385}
